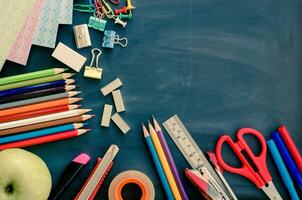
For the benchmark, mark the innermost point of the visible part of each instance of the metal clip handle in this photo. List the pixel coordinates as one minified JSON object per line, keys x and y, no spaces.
{"x":117,"y":40}
{"x":96,"y":58}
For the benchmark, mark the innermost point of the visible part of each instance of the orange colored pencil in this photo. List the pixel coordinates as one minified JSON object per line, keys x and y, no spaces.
{"x":37,"y":113}
{"x":38,"y":106}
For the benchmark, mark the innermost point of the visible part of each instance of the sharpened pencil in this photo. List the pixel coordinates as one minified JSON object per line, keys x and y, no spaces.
{"x":164,"y":162}
{"x":39,"y":99}
{"x":38,"y":106}
{"x":44,"y":139}
{"x":44,"y":118}
{"x":31,"y":75}
{"x":31,"y":127}
{"x":37,"y":113}
{"x":38,"y":93}
{"x":40,"y":133}
{"x":36,"y":81}
{"x":157,"y":164}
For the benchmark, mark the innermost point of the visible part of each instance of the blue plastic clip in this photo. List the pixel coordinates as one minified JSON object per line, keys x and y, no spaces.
{"x":97,"y":23}
{"x":111,"y":38}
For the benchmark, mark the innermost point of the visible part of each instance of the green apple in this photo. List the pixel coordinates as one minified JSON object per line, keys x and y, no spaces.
{"x":23,"y":176}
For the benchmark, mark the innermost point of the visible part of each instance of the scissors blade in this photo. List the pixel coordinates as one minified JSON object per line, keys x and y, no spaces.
{"x":271,"y":191}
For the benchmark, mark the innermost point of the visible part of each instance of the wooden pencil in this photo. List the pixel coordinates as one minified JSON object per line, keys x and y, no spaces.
{"x":31,"y":75}
{"x":164,"y":162}
{"x":39,"y":99}
{"x":44,"y":118}
{"x":31,"y":88}
{"x":37,"y":113}
{"x":36,"y":81}
{"x":31,"y":127}
{"x":44,"y":139}
{"x":38,"y":106}
{"x":39,"y":93}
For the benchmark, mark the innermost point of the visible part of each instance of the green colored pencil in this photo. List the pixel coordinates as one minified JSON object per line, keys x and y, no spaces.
{"x":36,"y":81}
{"x":31,"y":75}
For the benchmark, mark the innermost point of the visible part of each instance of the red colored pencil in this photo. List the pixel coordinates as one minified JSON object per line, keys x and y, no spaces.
{"x":37,"y":113}
{"x":44,"y":139}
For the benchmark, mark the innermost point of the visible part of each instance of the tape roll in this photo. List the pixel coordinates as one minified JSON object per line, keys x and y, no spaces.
{"x":134,"y":177}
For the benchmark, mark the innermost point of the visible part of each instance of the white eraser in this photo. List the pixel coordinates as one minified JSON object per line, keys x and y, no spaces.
{"x":118,"y":120}
{"x":113,"y":85}
{"x":69,"y":57}
{"x":118,"y":101}
{"x":106,"y":115}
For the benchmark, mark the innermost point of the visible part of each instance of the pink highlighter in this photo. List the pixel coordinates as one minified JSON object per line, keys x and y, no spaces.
{"x":69,"y":173}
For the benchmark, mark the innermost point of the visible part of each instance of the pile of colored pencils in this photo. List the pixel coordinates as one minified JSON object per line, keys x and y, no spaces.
{"x":38,"y":107}
{"x":164,"y":162}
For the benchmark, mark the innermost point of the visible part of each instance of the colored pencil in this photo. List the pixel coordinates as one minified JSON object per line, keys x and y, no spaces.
{"x":38,"y":106}
{"x":290,"y":163}
{"x":41,"y":86}
{"x":170,"y":159}
{"x":44,"y":139}
{"x":44,"y":118}
{"x":37,"y":113}
{"x":282,"y":170}
{"x":31,"y":127}
{"x":39,"y":93}
{"x":164,"y":162}
{"x":42,"y":132}
{"x":39,"y":99}
{"x":31,"y":75}
{"x":36,"y":81}
{"x":157,"y":164}
{"x":291,"y":146}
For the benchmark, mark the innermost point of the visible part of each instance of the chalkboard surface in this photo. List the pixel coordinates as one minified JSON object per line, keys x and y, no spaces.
{"x":219,"y":65}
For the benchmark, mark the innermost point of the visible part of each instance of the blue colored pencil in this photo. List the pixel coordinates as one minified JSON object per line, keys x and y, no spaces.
{"x":290,"y":163}
{"x":41,"y":86}
{"x":157,"y":164}
{"x":41,"y":132}
{"x":282,"y":170}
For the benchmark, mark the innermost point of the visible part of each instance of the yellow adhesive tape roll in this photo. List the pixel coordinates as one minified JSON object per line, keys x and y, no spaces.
{"x":128,"y":177}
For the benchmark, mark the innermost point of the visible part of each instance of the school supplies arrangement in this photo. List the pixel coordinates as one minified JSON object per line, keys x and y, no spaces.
{"x":259,"y":173}
{"x":98,"y":175}
{"x":36,"y":23}
{"x":69,"y":174}
{"x":205,"y":176}
{"x":131,"y":177}
{"x":40,"y":115}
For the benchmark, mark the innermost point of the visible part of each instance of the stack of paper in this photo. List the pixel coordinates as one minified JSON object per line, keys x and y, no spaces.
{"x":34,"y":22}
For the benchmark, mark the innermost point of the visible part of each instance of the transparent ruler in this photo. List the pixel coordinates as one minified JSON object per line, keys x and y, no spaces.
{"x":191,"y":151}
{"x":98,"y":173}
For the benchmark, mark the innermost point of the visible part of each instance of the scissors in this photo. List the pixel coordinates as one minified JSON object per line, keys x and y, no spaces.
{"x":259,"y":176}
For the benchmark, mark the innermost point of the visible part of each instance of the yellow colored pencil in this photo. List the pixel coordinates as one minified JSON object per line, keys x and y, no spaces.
{"x":164,"y":162}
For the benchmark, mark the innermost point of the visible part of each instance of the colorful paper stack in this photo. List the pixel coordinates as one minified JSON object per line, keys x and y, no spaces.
{"x":36,"y":23}
{"x":38,"y":107}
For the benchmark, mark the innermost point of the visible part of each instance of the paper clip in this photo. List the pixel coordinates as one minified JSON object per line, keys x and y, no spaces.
{"x":122,"y":10}
{"x":97,"y":23}
{"x":94,"y":72}
{"x":120,"y":22}
{"x":111,"y":38}
{"x":123,"y":16}
{"x":108,"y":12}
{"x":84,"y":8}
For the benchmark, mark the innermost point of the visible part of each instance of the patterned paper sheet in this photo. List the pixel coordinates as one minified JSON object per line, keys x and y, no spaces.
{"x":66,"y":12}
{"x":20,"y":50}
{"x":46,"y":31}
{"x":13,"y":14}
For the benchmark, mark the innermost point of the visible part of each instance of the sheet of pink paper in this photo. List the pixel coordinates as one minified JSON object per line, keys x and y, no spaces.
{"x":20,"y":50}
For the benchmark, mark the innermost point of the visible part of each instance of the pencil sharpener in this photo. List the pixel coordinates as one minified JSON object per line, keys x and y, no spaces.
{"x":93,"y":72}
{"x":97,"y":23}
{"x":81,"y":35}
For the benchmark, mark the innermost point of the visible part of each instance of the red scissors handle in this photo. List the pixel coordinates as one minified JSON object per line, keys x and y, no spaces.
{"x":259,"y":177}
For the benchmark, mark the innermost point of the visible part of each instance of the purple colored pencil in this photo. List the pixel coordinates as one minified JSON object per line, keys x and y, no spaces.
{"x":170,"y":160}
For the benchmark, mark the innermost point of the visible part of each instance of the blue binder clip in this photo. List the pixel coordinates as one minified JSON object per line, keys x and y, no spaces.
{"x":111,"y":38}
{"x":97,"y":23}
